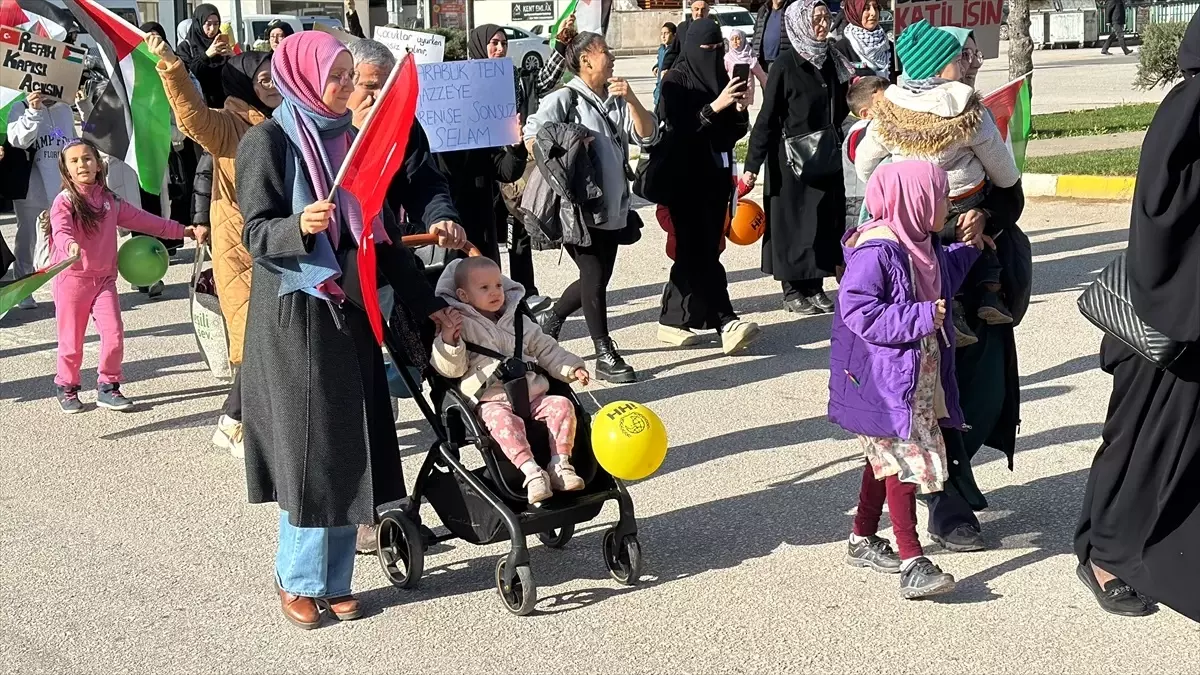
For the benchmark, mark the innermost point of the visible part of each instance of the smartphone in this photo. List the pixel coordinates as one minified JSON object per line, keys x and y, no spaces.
{"x":741,"y":71}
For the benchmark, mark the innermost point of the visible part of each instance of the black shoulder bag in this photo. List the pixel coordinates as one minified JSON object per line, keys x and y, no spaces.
{"x":1107,"y":304}
{"x":816,"y":154}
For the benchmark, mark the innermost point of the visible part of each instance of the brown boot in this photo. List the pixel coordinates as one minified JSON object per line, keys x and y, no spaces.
{"x":302,"y":612}
{"x":345,"y":608}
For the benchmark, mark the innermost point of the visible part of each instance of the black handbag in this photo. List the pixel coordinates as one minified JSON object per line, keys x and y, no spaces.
{"x":648,"y":177}
{"x":1106,"y":303}
{"x":817,"y":154}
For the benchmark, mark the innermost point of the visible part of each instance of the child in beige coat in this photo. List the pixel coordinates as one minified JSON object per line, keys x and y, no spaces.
{"x":487,"y":301}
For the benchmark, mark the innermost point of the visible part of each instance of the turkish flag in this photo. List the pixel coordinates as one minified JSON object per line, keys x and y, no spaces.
{"x":373,"y":159}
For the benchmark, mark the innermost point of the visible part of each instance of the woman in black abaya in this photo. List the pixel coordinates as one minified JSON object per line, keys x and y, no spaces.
{"x":1139,"y":532}
{"x":704,"y":119}
{"x":204,"y":52}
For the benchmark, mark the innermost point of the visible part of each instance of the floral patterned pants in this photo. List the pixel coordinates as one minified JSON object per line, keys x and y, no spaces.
{"x":508,"y":429}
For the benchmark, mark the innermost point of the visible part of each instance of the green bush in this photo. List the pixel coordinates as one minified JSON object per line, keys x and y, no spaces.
{"x":1158,"y":61}
{"x":456,"y":42}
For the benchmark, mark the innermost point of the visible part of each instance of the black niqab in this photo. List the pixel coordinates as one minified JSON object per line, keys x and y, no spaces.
{"x":1164,"y":230}
{"x":703,"y":70}
{"x":477,"y":42}
{"x":195,"y":35}
{"x":237,"y":78}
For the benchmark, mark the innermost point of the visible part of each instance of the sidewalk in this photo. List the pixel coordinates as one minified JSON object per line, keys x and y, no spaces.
{"x":1064,"y":146}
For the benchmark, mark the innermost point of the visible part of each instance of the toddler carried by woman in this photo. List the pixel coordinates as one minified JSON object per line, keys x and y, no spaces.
{"x":84,"y":221}
{"x":488,"y":303}
{"x":891,"y":377}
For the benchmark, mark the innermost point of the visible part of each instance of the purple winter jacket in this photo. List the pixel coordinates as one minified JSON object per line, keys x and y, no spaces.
{"x":873,"y":358}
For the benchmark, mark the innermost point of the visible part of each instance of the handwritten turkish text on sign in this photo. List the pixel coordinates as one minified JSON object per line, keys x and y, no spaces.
{"x":32,"y":63}
{"x":468,"y":104}
{"x":983,"y":17}
{"x":425,"y":47}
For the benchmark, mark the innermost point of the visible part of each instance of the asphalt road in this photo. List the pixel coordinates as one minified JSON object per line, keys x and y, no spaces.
{"x":126,"y":543}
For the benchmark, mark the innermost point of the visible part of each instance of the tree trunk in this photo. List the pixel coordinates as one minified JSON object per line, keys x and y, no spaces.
{"x":1020,"y":45}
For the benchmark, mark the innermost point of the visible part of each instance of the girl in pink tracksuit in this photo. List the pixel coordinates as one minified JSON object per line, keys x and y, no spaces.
{"x":83,"y":221}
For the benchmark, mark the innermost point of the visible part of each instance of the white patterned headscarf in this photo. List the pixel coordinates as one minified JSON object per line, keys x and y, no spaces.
{"x":798,"y":19}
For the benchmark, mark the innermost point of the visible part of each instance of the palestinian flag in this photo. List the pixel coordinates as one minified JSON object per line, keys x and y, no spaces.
{"x":1010,"y":105}
{"x":35,"y":16}
{"x":132,"y":119}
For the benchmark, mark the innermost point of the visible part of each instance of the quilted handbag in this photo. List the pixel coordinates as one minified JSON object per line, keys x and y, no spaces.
{"x":1106,"y":303}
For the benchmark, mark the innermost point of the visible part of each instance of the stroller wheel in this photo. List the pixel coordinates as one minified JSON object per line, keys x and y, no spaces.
{"x":557,"y":538}
{"x":624,"y":562}
{"x":401,"y":552}
{"x":519,"y":596}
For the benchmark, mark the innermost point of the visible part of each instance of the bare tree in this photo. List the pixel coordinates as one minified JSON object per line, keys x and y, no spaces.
{"x":1020,"y":45}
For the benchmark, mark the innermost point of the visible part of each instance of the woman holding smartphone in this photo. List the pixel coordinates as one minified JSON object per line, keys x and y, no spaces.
{"x":705,"y":117}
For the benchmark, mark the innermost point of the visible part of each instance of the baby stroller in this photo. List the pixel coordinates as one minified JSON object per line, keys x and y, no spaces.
{"x":485,"y":505}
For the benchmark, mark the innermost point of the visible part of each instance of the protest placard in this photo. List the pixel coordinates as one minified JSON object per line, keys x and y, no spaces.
{"x":32,"y":63}
{"x":425,"y":47}
{"x":981,"y":16}
{"x":468,"y":104}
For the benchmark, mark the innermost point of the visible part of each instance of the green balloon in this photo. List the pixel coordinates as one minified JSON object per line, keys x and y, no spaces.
{"x":143,"y":261}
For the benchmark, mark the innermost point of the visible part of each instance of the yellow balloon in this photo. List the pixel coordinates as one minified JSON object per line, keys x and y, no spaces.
{"x":629,"y":440}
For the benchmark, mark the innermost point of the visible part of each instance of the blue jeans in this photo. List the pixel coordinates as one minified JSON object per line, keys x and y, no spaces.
{"x":315,"y":562}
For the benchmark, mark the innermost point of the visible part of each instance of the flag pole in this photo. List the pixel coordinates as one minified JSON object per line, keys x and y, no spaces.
{"x":387,"y":87}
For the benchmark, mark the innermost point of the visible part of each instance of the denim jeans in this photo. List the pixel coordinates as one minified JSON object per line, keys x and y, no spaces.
{"x":314,"y":562}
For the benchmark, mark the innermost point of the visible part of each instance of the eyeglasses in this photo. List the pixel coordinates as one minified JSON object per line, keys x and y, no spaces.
{"x":341,"y":77}
{"x":972,"y":56}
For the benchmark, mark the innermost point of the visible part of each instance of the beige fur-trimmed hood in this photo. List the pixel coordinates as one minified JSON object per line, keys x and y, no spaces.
{"x":929,"y":122}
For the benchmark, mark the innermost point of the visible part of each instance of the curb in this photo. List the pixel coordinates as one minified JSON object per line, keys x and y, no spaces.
{"x":1112,"y":188}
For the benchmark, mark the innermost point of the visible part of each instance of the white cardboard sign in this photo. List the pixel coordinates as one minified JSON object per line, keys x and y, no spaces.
{"x":468,"y":104}
{"x":425,"y":47}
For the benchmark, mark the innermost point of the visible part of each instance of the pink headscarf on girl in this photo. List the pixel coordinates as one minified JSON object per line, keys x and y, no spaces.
{"x":904,"y":197}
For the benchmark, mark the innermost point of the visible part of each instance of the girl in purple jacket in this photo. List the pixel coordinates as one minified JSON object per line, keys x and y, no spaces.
{"x":891,"y":377}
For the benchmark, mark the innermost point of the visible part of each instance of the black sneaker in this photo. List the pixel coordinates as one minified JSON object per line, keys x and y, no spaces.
{"x":873,"y":552}
{"x":68,"y":400}
{"x":822,"y":302}
{"x":109,"y":396}
{"x":992,"y":309}
{"x":802,"y":306}
{"x":923,"y":579}
{"x":964,"y":539}
{"x":1115,"y":597}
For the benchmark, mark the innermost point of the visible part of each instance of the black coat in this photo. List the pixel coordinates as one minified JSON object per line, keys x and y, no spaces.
{"x":207,"y":71}
{"x":15,"y":169}
{"x":320,"y":437}
{"x":805,"y":220}
{"x":202,"y":191}
{"x":474,"y":177}
{"x":760,"y":26}
{"x":1115,"y":11}
{"x":692,"y":144}
{"x":844,"y":46}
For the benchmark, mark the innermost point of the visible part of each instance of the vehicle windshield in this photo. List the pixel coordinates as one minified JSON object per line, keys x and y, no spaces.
{"x":733,"y":18}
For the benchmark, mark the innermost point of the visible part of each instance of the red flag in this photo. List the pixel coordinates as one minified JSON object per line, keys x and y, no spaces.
{"x":375,"y":156}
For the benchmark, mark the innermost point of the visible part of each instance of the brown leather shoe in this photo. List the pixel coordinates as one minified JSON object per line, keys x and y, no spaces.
{"x":366,"y":541}
{"x":345,"y":608}
{"x":302,"y":612}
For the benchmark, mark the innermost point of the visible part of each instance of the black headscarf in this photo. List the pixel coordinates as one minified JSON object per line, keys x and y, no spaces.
{"x":1164,"y":230}
{"x":156,"y":28}
{"x":703,"y":70}
{"x":479,"y":38}
{"x":237,"y":78}
{"x":280,"y":24}
{"x":195,"y":35}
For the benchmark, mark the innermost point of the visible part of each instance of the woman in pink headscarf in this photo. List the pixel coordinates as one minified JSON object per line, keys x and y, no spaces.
{"x":319,"y":434}
{"x":891,"y":378}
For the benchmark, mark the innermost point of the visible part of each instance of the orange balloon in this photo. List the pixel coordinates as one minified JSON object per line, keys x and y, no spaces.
{"x":748,"y":224}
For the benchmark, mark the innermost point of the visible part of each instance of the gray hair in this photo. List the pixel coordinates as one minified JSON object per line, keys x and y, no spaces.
{"x":376,"y":53}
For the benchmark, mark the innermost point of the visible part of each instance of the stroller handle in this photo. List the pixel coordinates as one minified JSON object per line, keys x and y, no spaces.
{"x":413,"y":240}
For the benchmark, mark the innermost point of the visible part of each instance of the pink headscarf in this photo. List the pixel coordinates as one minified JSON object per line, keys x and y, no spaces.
{"x":300,"y":66}
{"x":904,"y":197}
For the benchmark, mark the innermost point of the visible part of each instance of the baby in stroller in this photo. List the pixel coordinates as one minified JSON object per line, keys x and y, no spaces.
{"x":480,"y":354}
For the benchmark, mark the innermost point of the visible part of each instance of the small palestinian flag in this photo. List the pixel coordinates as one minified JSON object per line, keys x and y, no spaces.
{"x":132,"y":119}
{"x":36,"y":16}
{"x":1011,"y":106}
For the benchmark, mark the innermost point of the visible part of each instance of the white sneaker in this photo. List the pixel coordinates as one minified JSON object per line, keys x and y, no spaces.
{"x":228,"y":436}
{"x":677,"y":337}
{"x":737,"y":335}
{"x":27,"y":303}
{"x":537,"y":487}
{"x":564,"y":479}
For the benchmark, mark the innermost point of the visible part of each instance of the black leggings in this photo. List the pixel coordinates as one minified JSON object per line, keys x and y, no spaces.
{"x":595,"y":263}
{"x":233,"y":402}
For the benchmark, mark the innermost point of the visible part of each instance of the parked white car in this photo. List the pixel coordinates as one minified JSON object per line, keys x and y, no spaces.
{"x":733,"y":17}
{"x":526,"y":50}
